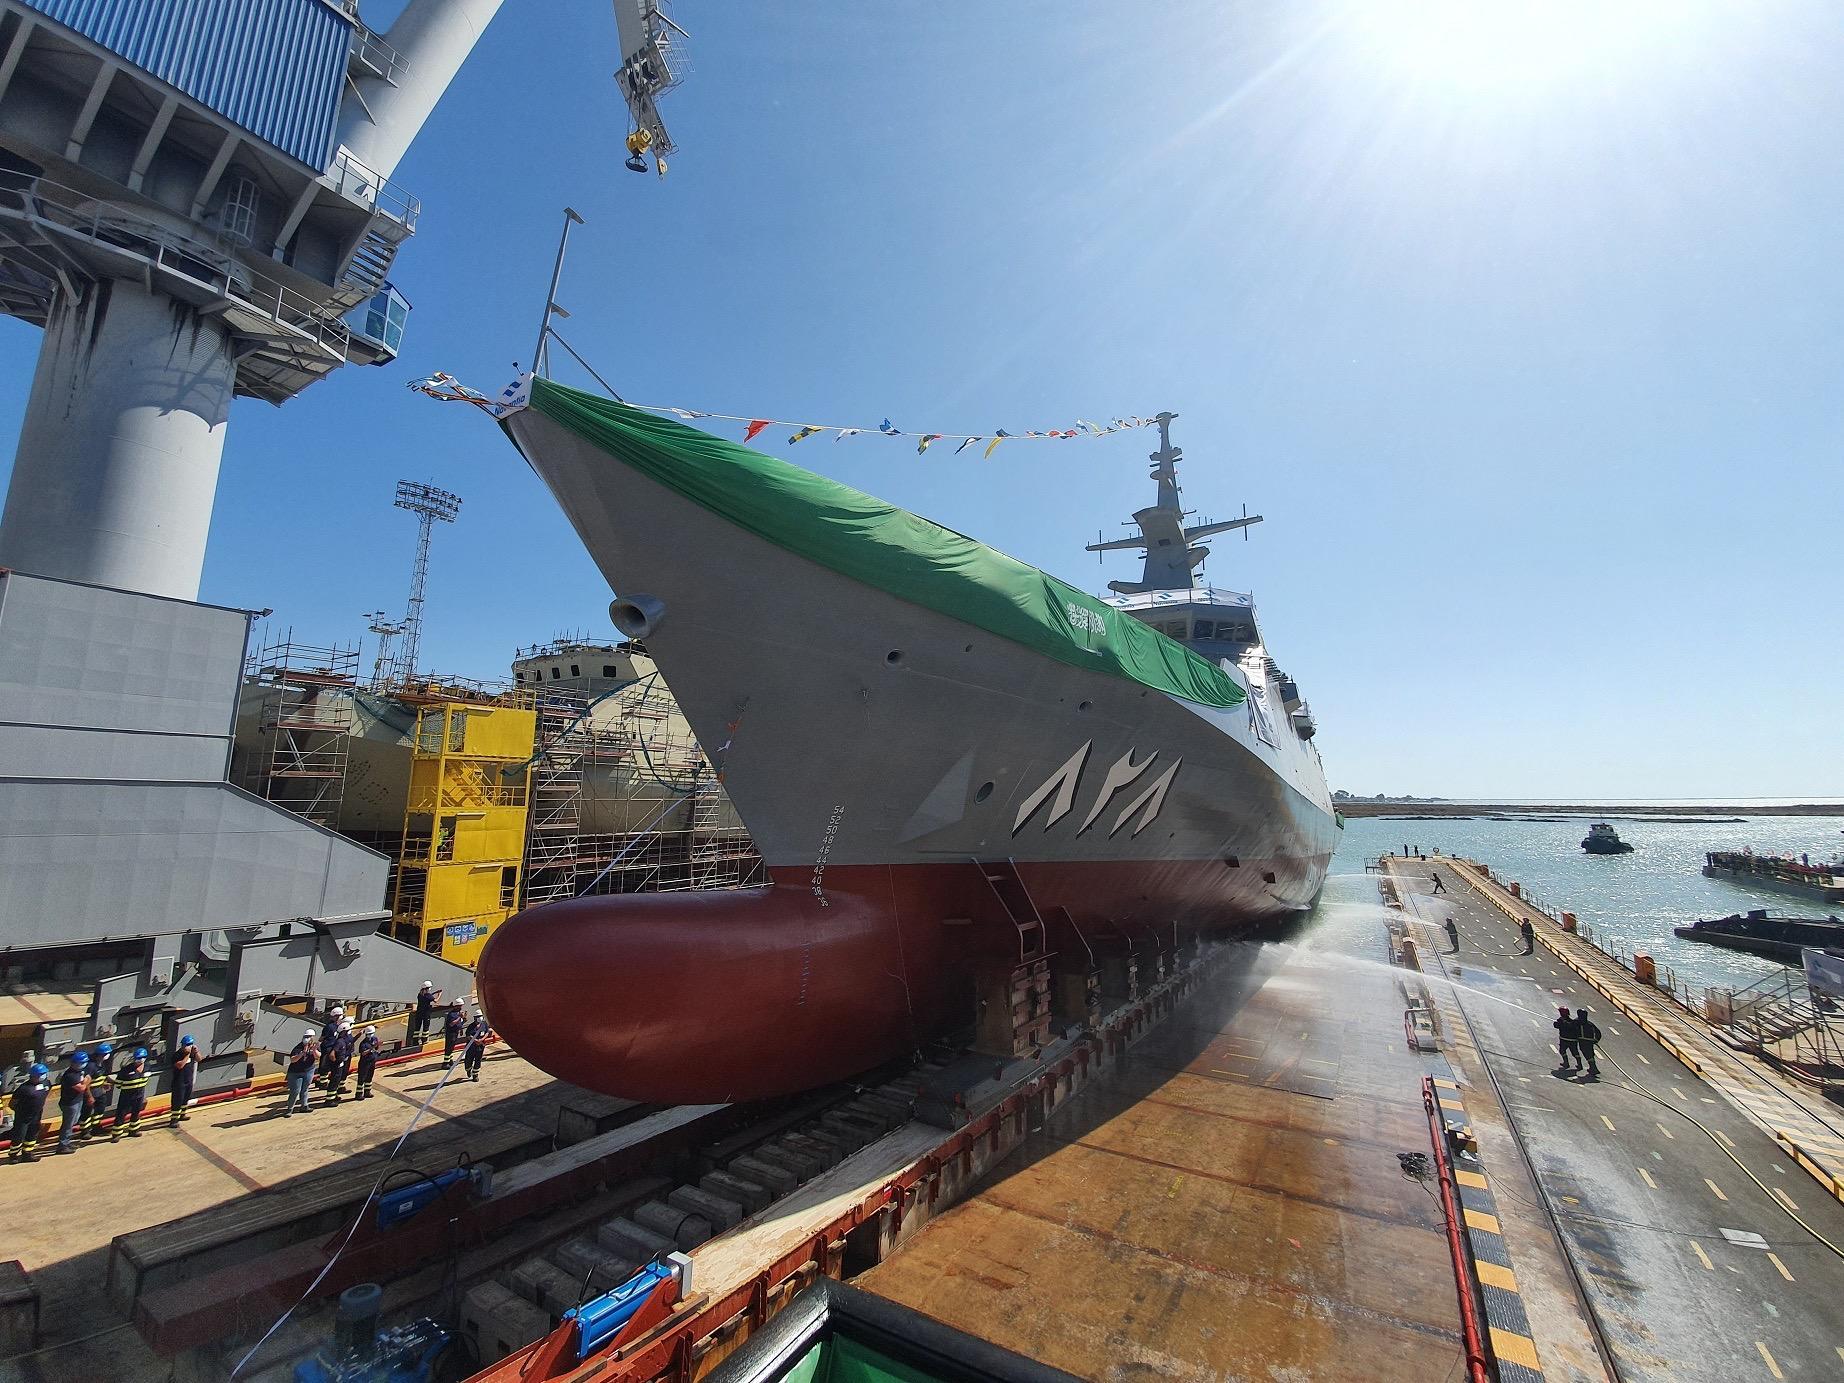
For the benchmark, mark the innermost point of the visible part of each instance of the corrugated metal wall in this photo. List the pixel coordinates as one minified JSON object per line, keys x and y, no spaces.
{"x":275,"y":67}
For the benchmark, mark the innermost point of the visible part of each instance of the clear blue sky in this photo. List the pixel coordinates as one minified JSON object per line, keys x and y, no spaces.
{"x":1524,"y":333}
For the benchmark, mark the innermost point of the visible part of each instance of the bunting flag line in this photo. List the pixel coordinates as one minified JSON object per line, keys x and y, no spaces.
{"x":799,"y":432}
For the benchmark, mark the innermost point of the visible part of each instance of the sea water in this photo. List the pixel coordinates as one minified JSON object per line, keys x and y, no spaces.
{"x":1632,"y":901}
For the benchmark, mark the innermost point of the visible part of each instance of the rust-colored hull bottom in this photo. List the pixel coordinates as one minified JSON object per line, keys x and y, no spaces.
{"x":738,"y":995}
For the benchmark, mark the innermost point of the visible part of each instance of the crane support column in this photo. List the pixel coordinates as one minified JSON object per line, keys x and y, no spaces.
{"x":432,"y":38}
{"x":119,"y":450}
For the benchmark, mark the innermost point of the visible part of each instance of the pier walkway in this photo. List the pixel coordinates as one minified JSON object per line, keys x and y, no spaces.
{"x":1678,"y":1208}
{"x":1811,"y":1129}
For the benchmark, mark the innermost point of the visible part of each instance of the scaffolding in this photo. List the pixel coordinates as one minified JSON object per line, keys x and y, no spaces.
{"x":684,"y":832}
{"x":554,"y":842}
{"x":463,"y":851}
{"x":304,"y":718}
{"x":623,"y":799}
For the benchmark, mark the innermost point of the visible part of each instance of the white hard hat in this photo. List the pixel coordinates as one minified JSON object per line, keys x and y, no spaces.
{"x":344,"y":1024}
{"x":370,"y":1031}
{"x":337,"y":1011}
{"x":427,"y":985}
{"x":308,"y":1036}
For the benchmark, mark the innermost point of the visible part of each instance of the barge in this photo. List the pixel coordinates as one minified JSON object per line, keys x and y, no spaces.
{"x":1777,"y":938}
{"x":1822,"y":883}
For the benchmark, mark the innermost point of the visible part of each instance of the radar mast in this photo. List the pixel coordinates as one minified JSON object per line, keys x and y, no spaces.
{"x":1171,"y":549}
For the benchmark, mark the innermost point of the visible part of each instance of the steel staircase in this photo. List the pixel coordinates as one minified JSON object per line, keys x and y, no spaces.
{"x":1015,"y":1018}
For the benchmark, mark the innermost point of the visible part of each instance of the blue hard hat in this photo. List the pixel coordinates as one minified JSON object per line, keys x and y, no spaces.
{"x":104,"y":1049}
{"x":185,"y":1042}
{"x":140,"y":1054}
{"x":80,"y":1058}
{"x":37,"y":1069}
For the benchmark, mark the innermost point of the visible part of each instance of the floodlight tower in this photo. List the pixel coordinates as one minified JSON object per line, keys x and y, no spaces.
{"x":431,"y":506}
{"x":386,"y":629}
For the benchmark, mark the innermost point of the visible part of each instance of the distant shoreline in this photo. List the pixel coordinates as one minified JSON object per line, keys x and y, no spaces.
{"x":1430,"y":811}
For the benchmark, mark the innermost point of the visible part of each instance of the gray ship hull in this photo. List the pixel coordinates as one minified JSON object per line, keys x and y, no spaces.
{"x":897,"y":768}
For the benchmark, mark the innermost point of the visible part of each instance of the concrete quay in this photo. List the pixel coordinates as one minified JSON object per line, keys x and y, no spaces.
{"x":1692,"y":1188}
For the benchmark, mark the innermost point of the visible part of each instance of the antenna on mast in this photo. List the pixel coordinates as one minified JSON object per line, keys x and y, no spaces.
{"x":430,"y":506}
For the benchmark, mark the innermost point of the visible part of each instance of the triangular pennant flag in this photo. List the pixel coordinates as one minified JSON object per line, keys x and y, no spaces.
{"x":687,"y":413}
{"x":804,"y":433}
{"x":755,"y":426}
{"x":845,"y":432}
{"x":1090,"y":428}
{"x":927,"y":439}
{"x":998,"y":437}
{"x":969,"y":442}
{"x":888,"y":431}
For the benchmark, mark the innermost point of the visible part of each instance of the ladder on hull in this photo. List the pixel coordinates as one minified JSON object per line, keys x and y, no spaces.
{"x":1015,"y":998}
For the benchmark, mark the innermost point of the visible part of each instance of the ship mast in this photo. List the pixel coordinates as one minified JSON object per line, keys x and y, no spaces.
{"x":1171,"y":549}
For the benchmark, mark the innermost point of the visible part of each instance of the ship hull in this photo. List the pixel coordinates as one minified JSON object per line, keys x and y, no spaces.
{"x":885,"y":758}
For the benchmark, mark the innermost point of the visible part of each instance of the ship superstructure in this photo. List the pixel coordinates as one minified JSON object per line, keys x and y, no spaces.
{"x":972,"y":783}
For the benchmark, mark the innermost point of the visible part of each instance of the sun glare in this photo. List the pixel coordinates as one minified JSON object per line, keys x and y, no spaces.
{"x":1483,"y":44}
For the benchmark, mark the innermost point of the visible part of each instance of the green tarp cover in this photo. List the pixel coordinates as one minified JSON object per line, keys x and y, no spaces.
{"x":841,"y":1359}
{"x":880,"y":545}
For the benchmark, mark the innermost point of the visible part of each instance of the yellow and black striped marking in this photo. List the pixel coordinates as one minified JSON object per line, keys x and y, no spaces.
{"x":1506,"y":1320}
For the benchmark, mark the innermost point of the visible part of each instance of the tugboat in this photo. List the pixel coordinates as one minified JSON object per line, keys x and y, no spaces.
{"x":1602,"y":839}
{"x":1777,"y":938}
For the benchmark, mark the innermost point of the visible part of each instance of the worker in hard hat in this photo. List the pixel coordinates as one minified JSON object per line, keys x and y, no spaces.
{"x":424,"y":1014}
{"x":28,"y":1105}
{"x":328,"y":1031}
{"x":368,"y":1050}
{"x":96,"y":1099}
{"x":185,"y":1072}
{"x":301,"y":1063}
{"x":341,"y":1065}
{"x":131,"y":1096}
{"x":454,"y":1028}
{"x":328,"y":1045}
{"x":73,"y":1093}
{"x":19,"y":1072}
{"x":477,"y":1034}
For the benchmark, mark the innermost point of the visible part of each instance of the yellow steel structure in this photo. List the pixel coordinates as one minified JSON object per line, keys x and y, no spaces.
{"x":464,"y":824}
